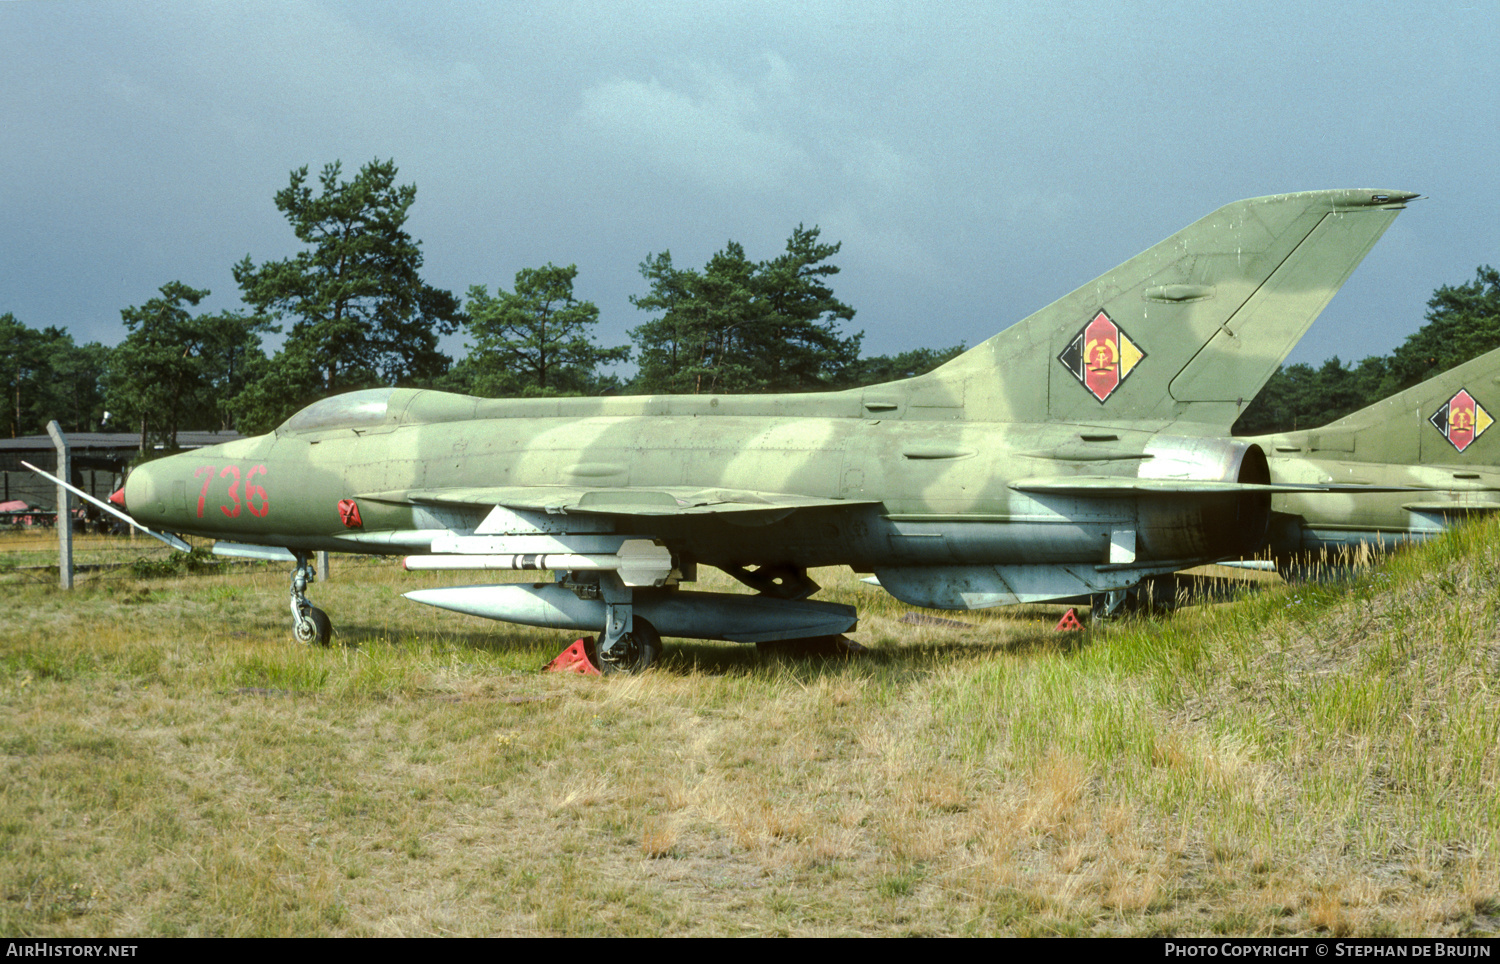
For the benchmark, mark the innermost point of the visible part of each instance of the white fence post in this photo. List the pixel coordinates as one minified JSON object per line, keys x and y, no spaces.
{"x":64,"y":507}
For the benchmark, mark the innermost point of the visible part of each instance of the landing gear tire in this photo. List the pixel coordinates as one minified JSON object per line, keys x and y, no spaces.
{"x":636,"y":651}
{"x":315,"y":629}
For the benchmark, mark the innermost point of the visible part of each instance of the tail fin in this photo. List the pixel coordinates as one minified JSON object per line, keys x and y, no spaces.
{"x":1189,"y":329}
{"x":1447,"y":420}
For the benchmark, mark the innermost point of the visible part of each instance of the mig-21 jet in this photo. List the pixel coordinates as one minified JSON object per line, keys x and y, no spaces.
{"x":1078,"y":451}
{"x":1433,"y":441}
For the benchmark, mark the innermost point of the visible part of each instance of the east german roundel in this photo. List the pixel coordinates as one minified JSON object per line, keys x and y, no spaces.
{"x":1461,"y":420}
{"x":1101,"y":356}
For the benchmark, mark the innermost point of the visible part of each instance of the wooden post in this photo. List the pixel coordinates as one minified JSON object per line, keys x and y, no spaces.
{"x":64,"y":507}
{"x":322,"y":565}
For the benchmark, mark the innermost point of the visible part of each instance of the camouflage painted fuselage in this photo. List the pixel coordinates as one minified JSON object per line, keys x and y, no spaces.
{"x":888,"y":491}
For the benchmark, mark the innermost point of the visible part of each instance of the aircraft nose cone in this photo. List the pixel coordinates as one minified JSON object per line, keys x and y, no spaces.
{"x":118,"y":497}
{"x":142,"y":495}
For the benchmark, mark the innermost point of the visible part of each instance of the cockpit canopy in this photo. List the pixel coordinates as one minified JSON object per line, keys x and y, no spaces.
{"x":351,"y":410}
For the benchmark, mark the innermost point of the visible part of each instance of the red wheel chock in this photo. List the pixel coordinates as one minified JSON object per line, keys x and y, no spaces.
{"x":1069,"y":622}
{"x":574,"y":659}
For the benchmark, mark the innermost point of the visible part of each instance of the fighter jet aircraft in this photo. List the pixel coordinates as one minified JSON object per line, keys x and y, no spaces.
{"x":1078,"y":451}
{"x":1433,"y":439}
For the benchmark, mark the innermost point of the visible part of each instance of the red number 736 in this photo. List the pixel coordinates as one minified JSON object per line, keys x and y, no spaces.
{"x":253,"y":491}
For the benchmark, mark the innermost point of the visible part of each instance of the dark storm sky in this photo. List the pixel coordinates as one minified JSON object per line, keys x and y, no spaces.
{"x":976,"y":161}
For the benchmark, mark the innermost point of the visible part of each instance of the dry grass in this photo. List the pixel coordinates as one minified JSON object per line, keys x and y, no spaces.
{"x":1314,"y":759}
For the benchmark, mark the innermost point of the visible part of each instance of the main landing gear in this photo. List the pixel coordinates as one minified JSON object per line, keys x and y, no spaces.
{"x":1109,"y":605}
{"x":309,"y":623}
{"x":629,"y":644}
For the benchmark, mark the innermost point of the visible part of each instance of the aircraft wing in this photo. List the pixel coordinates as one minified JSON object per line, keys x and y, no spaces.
{"x":690,"y":500}
{"x":1117,"y":486}
{"x":652,"y":501}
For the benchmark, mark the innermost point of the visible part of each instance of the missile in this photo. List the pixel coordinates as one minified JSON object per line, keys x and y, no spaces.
{"x":640,"y":562}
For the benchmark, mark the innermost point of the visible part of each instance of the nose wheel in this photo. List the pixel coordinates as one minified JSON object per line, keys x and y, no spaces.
{"x":309,"y":623}
{"x":314,"y":629}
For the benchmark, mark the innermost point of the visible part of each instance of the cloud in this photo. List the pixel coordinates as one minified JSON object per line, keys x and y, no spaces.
{"x":883,"y":246}
{"x":716,"y":129}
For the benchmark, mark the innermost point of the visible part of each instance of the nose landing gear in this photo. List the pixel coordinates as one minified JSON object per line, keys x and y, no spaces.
{"x":309,"y":623}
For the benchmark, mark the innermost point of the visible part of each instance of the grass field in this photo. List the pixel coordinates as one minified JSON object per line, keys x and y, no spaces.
{"x":1313,"y":759}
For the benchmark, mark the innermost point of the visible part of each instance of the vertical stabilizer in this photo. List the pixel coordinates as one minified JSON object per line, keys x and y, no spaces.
{"x":1190,"y":329}
{"x":1447,"y":420}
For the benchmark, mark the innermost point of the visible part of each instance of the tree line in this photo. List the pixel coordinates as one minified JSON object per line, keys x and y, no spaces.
{"x":356,"y":313}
